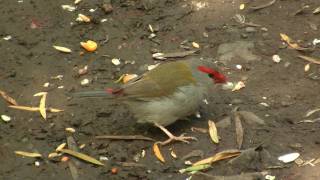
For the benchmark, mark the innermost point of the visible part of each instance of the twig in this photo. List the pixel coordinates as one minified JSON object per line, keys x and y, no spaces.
{"x":262,"y":6}
{"x":130,"y":137}
{"x":131,"y":164}
{"x":310,"y":59}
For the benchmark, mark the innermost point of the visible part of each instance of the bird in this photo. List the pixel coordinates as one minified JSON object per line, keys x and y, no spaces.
{"x":171,"y":91}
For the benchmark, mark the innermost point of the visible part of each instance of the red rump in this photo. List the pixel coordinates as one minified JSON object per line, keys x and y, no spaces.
{"x":218,"y":77}
{"x":112,"y":91}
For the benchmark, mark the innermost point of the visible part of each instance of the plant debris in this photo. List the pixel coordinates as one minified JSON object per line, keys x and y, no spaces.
{"x":213,"y":132}
{"x":9,"y":99}
{"x":157,"y":152}
{"x":130,"y":137}
{"x":219,"y":156}
{"x":263,"y":5}
{"x":82,"y":156}
{"x":28,"y":154}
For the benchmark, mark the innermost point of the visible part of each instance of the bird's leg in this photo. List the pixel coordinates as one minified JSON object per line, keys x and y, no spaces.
{"x":172,"y":137}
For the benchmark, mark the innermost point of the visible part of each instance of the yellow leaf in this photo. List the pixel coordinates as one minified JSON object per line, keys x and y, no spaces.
{"x":61,"y":146}
{"x":90,"y":46}
{"x":28,"y":154}
{"x":289,"y":41}
{"x":82,"y":156}
{"x":26,"y":108}
{"x":219,"y":156}
{"x":213,"y":132}
{"x":195,"y":45}
{"x":42,"y":106}
{"x":62,"y":49}
{"x":157,"y":152}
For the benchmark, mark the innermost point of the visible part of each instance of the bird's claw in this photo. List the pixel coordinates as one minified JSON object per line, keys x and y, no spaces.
{"x":181,"y":138}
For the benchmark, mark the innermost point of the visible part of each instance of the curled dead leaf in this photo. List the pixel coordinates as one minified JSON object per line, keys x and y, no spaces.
{"x":90,"y":46}
{"x":42,"y":106}
{"x":28,"y":154}
{"x":219,"y":156}
{"x":213,"y":132}
{"x":157,"y":152}
{"x":7,"y":98}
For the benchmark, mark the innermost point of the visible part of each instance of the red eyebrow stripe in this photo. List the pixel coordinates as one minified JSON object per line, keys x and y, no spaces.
{"x":206,"y":70}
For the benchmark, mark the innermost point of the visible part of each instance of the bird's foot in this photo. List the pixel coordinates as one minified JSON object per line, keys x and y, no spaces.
{"x":181,"y":138}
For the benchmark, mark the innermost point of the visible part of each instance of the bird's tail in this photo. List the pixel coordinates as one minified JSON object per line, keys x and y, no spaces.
{"x":97,"y":93}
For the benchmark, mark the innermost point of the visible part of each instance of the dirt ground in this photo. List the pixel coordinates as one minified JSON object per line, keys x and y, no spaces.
{"x":279,"y":93}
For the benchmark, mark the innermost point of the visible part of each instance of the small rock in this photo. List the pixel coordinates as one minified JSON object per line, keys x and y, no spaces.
{"x":250,"y":29}
{"x":107,"y":7}
{"x":244,"y":35}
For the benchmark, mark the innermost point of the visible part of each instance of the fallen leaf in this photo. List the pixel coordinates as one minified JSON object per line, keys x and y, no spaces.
{"x":288,"y":157}
{"x":195,"y":45}
{"x":42,"y":106}
{"x":27,"y":108}
{"x":157,"y":152}
{"x":291,"y":43}
{"x":9,"y":99}
{"x":310,"y":59}
{"x":62,"y":49}
{"x":307,"y":67}
{"x":309,"y":113}
{"x":5,"y":118}
{"x":238,"y":86}
{"x":81,"y":156}
{"x":83,"y":18}
{"x":213,"y":132}
{"x":219,"y":156}
{"x":61,"y":146}
{"x":90,"y":46}
{"x":239,"y":129}
{"x":128,"y":77}
{"x":197,"y":129}
{"x":28,"y":154}
{"x":173,"y":154}
{"x":195,"y":168}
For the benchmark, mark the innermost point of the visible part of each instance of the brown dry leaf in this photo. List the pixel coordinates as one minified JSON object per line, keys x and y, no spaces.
{"x":28,"y":154}
{"x":42,"y":106}
{"x":291,"y":43}
{"x":82,"y":156}
{"x":219,"y":156}
{"x":9,"y":99}
{"x":197,"y":129}
{"x":157,"y":152}
{"x":239,"y":129}
{"x":213,"y":132}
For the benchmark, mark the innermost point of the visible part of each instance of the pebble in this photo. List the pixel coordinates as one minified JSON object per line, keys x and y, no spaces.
{"x":250,"y":29}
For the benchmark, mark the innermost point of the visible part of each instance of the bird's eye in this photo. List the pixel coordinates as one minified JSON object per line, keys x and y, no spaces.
{"x":210,"y":75}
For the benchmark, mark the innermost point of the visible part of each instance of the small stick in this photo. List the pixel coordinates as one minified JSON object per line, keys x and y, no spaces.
{"x":130,"y":137}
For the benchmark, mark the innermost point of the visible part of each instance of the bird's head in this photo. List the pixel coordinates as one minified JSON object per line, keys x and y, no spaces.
{"x":217,"y":77}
